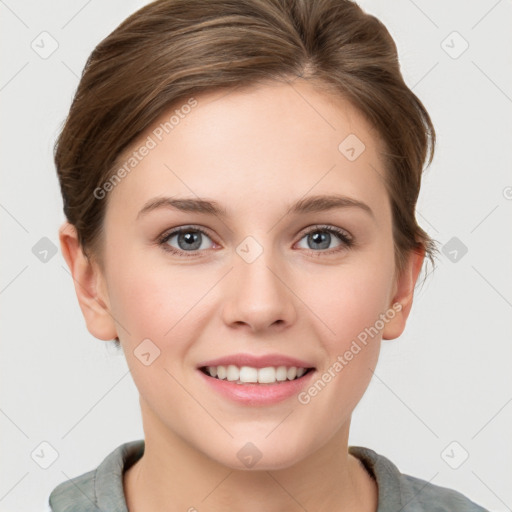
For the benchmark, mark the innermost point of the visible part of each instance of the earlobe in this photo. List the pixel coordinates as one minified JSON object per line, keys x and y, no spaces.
{"x":88,"y":282}
{"x":404,"y":294}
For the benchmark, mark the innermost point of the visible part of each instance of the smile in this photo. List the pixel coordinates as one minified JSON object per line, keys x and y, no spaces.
{"x":251,"y":375}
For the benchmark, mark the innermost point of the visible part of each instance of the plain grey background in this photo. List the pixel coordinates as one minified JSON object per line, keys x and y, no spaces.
{"x":442,"y":392}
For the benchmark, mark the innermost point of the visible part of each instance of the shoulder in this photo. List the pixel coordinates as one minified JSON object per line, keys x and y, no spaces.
{"x":434,"y":497}
{"x":398,"y":491}
{"x":72,"y":494}
{"x":100,"y":489}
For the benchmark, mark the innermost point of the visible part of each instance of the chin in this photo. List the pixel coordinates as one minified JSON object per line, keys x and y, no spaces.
{"x":258,"y":456}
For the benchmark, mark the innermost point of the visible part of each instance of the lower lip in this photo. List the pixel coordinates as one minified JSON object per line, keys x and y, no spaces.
{"x":258,"y":394}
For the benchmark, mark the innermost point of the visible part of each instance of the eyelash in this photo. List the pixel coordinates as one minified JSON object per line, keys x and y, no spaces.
{"x":346,"y":240}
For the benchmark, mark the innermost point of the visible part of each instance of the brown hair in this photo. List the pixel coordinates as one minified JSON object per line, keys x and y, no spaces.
{"x":172,"y":49}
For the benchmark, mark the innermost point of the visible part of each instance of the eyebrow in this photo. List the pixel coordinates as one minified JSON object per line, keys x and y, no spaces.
{"x":310,"y":204}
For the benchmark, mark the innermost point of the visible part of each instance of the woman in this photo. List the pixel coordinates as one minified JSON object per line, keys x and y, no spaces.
{"x":239,"y":182}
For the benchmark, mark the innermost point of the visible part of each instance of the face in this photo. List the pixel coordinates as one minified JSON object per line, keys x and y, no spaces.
{"x":273,"y":272}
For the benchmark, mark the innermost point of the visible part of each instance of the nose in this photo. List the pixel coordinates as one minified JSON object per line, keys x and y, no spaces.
{"x":258,"y":296}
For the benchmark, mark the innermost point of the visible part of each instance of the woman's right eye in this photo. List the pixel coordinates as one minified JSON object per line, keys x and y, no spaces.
{"x":187,"y":239}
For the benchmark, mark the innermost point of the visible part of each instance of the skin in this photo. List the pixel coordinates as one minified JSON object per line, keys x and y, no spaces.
{"x":254,"y":151}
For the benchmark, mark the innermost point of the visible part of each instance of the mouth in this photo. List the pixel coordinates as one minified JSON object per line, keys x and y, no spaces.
{"x":269,"y":375}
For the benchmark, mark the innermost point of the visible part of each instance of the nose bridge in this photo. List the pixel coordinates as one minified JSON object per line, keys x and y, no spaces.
{"x":257,"y":294}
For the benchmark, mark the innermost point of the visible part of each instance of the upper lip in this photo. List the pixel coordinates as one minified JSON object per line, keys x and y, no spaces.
{"x":257,"y":361}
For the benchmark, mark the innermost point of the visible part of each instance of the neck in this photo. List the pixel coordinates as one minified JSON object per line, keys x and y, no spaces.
{"x":172,"y":475}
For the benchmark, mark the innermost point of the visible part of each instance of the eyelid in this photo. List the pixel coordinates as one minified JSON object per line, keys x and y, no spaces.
{"x":345,"y":238}
{"x":302,"y":233}
{"x":326,"y":227}
{"x":167,"y":234}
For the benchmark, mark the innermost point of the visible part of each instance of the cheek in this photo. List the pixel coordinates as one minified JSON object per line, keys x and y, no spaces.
{"x":350,"y":303}
{"x":152,"y":297}
{"x":155,"y":304}
{"x":354,"y":306}
{"x":350,"y":298}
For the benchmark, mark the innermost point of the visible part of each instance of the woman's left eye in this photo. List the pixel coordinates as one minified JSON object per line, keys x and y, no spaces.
{"x":321,"y":237}
{"x":191,"y":239}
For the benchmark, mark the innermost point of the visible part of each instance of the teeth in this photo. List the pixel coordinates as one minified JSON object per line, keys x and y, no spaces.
{"x":233,"y":373}
{"x":266,"y":375}
{"x":248,"y":374}
{"x":221,"y":371}
{"x":281,"y":373}
{"x":291,"y":373}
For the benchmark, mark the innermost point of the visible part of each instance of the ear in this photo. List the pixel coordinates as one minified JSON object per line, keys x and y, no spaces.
{"x":89,"y":285}
{"x":403,"y":294}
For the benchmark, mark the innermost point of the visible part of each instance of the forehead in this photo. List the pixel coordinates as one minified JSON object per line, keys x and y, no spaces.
{"x":253,"y":145}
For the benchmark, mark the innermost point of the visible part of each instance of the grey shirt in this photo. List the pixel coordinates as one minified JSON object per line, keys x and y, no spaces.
{"x":101,"y":490}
